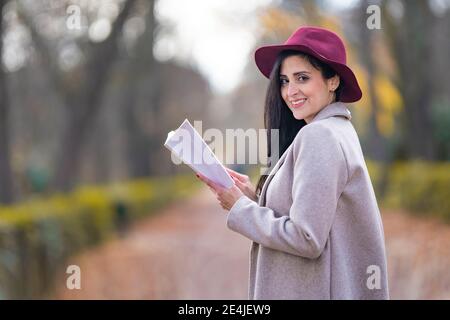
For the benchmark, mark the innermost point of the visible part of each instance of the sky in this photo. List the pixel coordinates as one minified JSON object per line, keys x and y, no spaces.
{"x":216,"y":36}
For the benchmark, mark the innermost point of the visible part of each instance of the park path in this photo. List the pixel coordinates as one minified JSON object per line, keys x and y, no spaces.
{"x":187,"y":252}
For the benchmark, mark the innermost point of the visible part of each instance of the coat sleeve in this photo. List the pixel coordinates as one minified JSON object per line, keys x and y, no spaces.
{"x":320,"y":174}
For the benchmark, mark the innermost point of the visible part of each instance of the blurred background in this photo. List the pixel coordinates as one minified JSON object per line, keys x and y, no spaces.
{"x":89,"y":90}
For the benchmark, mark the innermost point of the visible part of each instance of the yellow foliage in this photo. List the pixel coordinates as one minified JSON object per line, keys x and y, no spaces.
{"x":390,"y":103}
{"x":419,"y":186}
{"x":388,"y":95}
{"x":362,"y":111}
{"x":280,"y":23}
{"x":389,"y":99}
{"x":364,"y":103}
{"x":51,"y":229}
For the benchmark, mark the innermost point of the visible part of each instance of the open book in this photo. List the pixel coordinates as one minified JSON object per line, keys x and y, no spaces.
{"x":188,"y":146}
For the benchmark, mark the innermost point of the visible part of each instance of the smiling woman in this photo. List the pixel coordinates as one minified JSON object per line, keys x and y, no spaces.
{"x":315,"y":225}
{"x":307,"y":84}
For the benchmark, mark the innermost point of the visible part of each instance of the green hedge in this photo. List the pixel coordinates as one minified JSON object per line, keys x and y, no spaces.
{"x":418,"y":186}
{"x":37,"y":236}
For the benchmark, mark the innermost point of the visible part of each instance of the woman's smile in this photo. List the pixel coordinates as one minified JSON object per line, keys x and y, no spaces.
{"x":298,"y":103}
{"x":303,"y":87}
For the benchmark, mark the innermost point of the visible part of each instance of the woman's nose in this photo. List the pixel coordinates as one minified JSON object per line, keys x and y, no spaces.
{"x":292,"y":89}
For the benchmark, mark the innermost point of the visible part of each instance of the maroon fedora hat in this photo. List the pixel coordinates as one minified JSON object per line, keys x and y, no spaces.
{"x":321,"y":44}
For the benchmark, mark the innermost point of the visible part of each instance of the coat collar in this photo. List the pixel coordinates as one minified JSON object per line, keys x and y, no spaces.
{"x":262,"y":195}
{"x":332,"y":110}
{"x":336,"y":109}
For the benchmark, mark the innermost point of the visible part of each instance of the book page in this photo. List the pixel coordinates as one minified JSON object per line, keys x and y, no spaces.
{"x":187,"y":144}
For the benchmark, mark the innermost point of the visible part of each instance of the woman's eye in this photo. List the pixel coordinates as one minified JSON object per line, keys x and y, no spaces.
{"x":284,"y":81}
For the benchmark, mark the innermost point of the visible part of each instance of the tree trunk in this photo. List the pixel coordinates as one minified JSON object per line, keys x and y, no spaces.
{"x":140,"y":140}
{"x":6,"y":180}
{"x":376,"y":142}
{"x":89,"y":96}
{"x":410,"y":43}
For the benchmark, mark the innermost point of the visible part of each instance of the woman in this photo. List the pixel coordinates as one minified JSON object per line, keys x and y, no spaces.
{"x":315,"y":227}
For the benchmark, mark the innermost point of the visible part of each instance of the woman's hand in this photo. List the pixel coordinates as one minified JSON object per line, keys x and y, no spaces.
{"x":244,"y":184}
{"x":226,"y":197}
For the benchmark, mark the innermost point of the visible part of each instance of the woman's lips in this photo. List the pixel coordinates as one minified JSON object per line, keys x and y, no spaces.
{"x":298,"y":103}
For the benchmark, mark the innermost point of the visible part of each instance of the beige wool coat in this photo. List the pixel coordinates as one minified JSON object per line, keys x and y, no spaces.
{"x":316,"y":230}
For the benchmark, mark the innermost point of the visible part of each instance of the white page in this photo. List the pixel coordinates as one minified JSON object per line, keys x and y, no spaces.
{"x":187,"y":144}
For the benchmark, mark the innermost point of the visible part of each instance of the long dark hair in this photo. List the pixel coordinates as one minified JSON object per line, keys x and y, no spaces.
{"x":277,"y":114}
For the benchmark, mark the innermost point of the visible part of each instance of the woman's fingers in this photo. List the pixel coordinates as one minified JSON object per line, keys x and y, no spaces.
{"x":226,"y":197}
{"x":203,"y":178}
{"x":212,"y":185}
{"x":241,"y":185}
{"x":238,"y":183}
{"x":245,"y":189}
{"x":236,"y":174}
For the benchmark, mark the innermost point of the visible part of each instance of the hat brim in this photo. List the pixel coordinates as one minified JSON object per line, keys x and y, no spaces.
{"x":266,"y":56}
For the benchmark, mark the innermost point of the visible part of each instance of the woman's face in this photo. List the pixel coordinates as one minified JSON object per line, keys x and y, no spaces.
{"x":304,"y":89}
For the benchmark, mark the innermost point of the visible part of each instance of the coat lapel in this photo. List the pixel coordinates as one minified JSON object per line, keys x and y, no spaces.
{"x":336,"y":109}
{"x":271,"y":174}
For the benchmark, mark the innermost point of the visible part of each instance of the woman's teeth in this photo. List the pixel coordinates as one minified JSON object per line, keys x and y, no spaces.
{"x":298,"y":103}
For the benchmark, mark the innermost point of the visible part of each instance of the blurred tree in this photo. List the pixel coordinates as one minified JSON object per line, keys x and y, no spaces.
{"x":142,"y":79}
{"x":366,"y":38}
{"x":279,"y":22}
{"x":6,"y":181}
{"x":81,"y":91}
{"x":410,"y":29}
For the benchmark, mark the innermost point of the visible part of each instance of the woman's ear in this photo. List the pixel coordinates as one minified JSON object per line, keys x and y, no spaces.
{"x":333,"y":83}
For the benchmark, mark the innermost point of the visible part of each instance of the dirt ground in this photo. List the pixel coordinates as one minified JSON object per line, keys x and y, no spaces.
{"x":187,"y":252}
